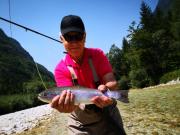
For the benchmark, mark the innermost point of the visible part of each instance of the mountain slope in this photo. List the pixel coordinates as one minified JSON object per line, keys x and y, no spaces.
{"x":18,"y":73}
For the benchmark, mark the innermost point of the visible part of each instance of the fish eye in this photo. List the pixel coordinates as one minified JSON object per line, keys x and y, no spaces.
{"x":45,"y":94}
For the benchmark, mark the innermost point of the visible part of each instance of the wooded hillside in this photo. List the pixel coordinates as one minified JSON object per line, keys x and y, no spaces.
{"x":150,"y":53}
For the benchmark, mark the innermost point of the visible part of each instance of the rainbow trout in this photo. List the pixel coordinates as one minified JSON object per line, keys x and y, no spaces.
{"x":82,"y":94}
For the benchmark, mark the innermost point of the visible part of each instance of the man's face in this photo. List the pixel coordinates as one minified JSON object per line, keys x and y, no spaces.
{"x":74,"y":43}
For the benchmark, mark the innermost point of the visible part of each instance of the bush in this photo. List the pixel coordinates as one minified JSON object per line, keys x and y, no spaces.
{"x":123,"y":83}
{"x":17,"y":102}
{"x":36,"y":86}
{"x":170,"y":76}
{"x":139,"y":78}
{"x":33,"y":87}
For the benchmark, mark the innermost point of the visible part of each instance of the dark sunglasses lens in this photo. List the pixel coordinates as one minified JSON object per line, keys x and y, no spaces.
{"x":76,"y":37}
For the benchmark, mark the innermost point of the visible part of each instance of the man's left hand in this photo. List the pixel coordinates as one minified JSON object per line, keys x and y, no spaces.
{"x":102,"y":101}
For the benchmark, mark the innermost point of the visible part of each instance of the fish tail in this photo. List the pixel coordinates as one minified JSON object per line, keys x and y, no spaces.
{"x":120,"y":95}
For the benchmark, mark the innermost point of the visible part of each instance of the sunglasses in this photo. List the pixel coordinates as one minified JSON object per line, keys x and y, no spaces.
{"x":73,"y":37}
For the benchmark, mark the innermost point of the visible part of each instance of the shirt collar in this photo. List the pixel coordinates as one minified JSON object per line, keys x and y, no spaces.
{"x":69,"y":61}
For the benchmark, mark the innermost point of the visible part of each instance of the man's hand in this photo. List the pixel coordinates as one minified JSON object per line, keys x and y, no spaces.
{"x":102,"y":101}
{"x":102,"y":88}
{"x":64,"y":102}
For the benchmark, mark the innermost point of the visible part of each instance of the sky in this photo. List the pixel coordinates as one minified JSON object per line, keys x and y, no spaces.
{"x":106,"y":23}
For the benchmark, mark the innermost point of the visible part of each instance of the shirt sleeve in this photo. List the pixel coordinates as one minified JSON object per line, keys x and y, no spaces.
{"x":62,"y":75}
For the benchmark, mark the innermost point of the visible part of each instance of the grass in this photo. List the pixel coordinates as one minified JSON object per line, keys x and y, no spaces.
{"x":152,"y":111}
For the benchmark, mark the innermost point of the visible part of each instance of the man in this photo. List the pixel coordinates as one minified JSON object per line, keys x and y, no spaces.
{"x":87,"y":67}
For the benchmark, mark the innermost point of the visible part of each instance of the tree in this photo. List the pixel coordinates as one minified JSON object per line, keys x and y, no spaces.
{"x":115,"y":58}
{"x":125,"y":45}
{"x":146,"y":16}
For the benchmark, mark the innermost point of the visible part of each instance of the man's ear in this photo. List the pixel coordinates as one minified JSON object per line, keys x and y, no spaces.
{"x":84,"y":38}
{"x":61,"y":38}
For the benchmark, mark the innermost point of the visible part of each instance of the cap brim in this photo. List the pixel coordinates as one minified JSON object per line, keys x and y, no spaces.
{"x":72,"y":29}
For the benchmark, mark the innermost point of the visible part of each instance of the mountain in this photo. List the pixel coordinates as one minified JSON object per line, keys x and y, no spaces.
{"x":18,"y":73}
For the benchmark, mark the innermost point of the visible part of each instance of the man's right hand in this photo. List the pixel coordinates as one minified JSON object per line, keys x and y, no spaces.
{"x":64,"y":102}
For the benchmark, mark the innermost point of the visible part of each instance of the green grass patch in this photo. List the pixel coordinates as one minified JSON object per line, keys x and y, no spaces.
{"x":153,"y":111}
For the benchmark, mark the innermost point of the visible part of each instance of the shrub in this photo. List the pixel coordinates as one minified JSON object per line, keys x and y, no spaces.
{"x":16,"y":102}
{"x":36,"y":86}
{"x":139,"y":78}
{"x":123,"y":83}
{"x":170,"y":76}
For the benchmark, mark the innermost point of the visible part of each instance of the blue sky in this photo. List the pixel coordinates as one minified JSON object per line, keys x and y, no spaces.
{"x":106,"y":23}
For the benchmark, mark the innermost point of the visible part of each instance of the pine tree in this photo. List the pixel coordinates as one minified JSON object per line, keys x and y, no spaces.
{"x":115,"y":58}
{"x":146,"y":17}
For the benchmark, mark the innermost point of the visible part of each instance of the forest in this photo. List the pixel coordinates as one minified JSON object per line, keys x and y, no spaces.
{"x":150,"y":53}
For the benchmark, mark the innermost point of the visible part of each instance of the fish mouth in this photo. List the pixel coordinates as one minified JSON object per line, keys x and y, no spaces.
{"x":39,"y":95}
{"x":43,"y":99}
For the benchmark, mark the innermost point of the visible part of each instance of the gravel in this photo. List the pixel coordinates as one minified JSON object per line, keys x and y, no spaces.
{"x":24,"y":120}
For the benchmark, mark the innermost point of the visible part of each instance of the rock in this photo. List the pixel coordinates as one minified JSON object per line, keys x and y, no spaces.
{"x":24,"y":120}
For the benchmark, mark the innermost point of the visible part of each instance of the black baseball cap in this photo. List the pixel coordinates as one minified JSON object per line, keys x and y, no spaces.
{"x":72,"y":23}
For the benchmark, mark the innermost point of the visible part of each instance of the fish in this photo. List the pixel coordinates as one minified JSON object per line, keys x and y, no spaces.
{"x":83,"y":95}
